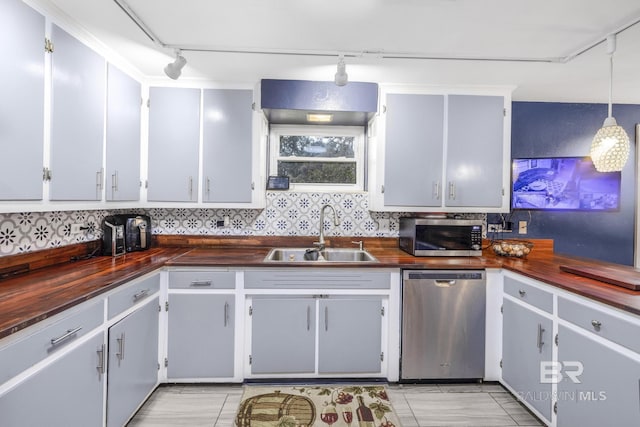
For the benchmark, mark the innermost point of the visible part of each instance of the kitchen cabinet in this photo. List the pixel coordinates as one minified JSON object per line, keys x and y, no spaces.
{"x":200,"y":337}
{"x":22,"y":109}
{"x":350,"y":335}
{"x":526,"y":343}
{"x":133,"y":362}
{"x":283,"y":332}
{"x":122,"y":136}
{"x":77,"y":119}
{"x":608,"y":387}
{"x":174,"y":141}
{"x":227,"y":146}
{"x":449,"y":152}
{"x":69,"y":391}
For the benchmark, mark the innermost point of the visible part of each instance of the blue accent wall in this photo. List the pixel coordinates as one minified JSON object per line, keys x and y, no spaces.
{"x":541,"y":129}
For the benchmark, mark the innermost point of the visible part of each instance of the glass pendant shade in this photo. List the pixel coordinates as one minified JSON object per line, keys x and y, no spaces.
{"x":610,"y":147}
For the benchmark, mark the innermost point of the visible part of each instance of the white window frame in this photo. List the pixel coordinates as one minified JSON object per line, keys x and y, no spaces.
{"x":358,"y":132}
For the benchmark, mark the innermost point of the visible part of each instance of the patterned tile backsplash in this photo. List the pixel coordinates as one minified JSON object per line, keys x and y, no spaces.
{"x":285,"y":214}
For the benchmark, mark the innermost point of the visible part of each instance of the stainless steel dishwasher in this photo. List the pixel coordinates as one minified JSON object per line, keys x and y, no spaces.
{"x":443,"y":324}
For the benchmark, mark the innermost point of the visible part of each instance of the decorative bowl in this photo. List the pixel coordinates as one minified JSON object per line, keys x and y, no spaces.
{"x":512,"y":248}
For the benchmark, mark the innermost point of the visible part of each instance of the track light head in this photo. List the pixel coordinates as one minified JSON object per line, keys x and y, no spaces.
{"x":174,"y":69}
{"x":341,"y":77}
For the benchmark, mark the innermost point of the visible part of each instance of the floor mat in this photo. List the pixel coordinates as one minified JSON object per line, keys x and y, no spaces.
{"x":307,"y":406}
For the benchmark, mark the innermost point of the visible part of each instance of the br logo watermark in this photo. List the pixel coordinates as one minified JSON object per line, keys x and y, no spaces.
{"x":554,"y":372}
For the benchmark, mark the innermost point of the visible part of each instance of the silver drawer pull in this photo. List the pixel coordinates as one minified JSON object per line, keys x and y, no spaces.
{"x":522,"y":293}
{"x":226,"y":314}
{"x":596,"y":324}
{"x":143,"y":293}
{"x":68,"y":334}
{"x":201,"y":283}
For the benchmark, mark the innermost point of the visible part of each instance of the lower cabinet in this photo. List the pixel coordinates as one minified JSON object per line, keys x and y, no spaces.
{"x":349,"y":335}
{"x":526,"y":344}
{"x":599,"y":386}
{"x":133,"y":362}
{"x":283,"y":335}
{"x":68,"y":392}
{"x":201,"y":336}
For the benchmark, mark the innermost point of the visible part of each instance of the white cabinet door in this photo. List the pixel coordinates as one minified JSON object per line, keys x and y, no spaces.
{"x":123,"y":136}
{"x":22,"y":107}
{"x":77,"y":119}
{"x":526,"y":343}
{"x":414,"y":137}
{"x":350,"y":335}
{"x":201,"y":336}
{"x":475,"y":158}
{"x":283,"y":332}
{"x":174,"y":140}
{"x":69,"y":392}
{"x":227,"y":146}
{"x":133,"y":362}
{"x":608,"y":391}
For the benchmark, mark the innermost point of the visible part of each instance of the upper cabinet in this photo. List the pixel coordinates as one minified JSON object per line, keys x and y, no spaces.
{"x":123,"y":136}
{"x":22,"y":104}
{"x":174,"y":140}
{"x":77,"y":119}
{"x":441,"y":152}
{"x":227,"y":146}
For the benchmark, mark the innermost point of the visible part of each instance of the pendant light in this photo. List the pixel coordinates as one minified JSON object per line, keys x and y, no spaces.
{"x":610,"y":146}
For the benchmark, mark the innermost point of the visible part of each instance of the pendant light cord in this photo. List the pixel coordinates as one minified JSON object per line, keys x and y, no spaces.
{"x":610,"y":82}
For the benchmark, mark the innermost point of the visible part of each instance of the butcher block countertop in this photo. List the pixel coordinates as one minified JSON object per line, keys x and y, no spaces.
{"x":35,"y":294}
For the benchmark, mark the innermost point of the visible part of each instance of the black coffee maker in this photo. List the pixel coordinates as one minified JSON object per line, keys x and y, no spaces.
{"x":113,"y":237}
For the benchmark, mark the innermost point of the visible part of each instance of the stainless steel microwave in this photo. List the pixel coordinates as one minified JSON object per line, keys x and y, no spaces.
{"x":441,"y":236}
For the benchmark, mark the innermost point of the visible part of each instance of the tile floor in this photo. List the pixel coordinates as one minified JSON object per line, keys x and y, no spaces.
{"x":441,"y":405}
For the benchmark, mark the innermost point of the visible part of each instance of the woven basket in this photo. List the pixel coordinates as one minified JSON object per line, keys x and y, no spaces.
{"x":512,"y":248}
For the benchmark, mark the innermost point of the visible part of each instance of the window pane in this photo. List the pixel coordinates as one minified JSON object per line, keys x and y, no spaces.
{"x":319,"y":172}
{"x":316,"y":146}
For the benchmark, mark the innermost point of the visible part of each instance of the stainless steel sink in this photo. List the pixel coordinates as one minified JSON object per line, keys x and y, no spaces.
{"x":306,"y":255}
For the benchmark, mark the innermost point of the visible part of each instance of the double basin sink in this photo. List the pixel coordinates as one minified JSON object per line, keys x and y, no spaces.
{"x":319,"y":256}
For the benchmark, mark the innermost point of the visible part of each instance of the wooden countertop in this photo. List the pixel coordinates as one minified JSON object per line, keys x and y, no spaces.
{"x":28,"y":298}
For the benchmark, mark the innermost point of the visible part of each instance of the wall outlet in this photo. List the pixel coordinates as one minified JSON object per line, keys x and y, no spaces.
{"x":76,"y":228}
{"x":522,"y":227}
{"x":383,"y":224}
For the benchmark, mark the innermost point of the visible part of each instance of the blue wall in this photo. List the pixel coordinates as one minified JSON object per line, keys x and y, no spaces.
{"x":541,"y":129}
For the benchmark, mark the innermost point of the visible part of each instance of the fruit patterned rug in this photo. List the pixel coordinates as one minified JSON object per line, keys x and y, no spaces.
{"x":317,"y":406}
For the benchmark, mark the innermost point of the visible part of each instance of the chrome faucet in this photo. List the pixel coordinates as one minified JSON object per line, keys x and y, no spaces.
{"x":320,"y":244}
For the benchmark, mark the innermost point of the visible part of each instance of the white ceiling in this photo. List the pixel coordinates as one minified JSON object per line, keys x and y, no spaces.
{"x":360,"y":29}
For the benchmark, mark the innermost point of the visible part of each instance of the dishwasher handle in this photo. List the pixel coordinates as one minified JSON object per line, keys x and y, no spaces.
{"x":444,"y":283}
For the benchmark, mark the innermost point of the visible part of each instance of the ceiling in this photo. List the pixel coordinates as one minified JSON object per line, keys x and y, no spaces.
{"x":528,"y":44}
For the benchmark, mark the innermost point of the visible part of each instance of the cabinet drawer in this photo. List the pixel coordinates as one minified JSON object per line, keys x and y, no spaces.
{"x":617,"y":329}
{"x":202,"y":279}
{"x":132,"y":294}
{"x":530,"y":294}
{"x":326,"y":279}
{"x":22,"y":354}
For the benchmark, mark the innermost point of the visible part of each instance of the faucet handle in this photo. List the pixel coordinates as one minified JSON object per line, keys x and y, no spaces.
{"x":360,"y":243}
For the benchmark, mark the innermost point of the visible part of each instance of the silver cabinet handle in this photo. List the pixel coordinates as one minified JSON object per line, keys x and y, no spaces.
{"x":436,"y":190}
{"x":452,"y":190}
{"x":100,"y":366}
{"x":99,"y":180}
{"x":540,"y":343}
{"x":596,"y":324}
{"x":120,"y":353}
{"x":190,"y":188}
{"x":66,"y":335}
{"x":143,"y":293}
{"x":201,"y":283}
{"x":226,"y":314}
{"x":114,"y":181}
{"x":308,"y":317}
{"x":208,"y":188}
{"x":522,"y":293}
{"x":326,"y":317}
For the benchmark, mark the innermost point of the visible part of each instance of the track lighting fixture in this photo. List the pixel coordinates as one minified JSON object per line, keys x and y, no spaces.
{"x":174,"y":69}
{"x":341,"y":77}
{"x":610,"y":147}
